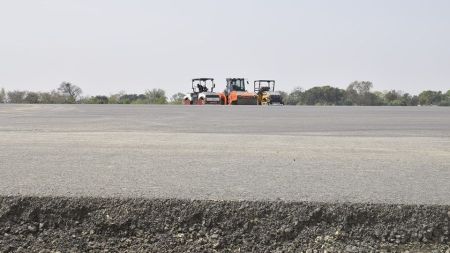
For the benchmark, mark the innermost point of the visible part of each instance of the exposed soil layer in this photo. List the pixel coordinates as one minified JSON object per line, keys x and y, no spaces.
{"x":33,"y":224}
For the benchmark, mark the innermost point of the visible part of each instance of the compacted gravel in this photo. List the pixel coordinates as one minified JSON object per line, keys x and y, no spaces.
{"x":52,"y":224}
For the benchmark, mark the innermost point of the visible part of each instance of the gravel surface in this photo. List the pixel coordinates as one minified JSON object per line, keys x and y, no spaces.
{"x":78,"y":178}
{"x":276,"y":120}
{"x":142,"y":225}
{"x":328,"y":154}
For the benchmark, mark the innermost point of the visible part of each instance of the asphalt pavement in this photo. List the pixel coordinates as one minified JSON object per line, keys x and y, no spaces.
{"x":330,"y":154}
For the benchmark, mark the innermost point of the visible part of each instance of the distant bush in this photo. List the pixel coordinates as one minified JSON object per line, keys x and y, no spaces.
{"x":177,"y":98}
{"x":95,"y":100}
{"x":52,"y":97}
{"x":156,"y":96}
{"x":131,"y":98}
{"x":2,"y":95}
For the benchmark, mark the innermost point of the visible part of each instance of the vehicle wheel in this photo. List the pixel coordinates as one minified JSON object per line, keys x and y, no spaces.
{"x":201,"y":101}
{"x":187,"y":102}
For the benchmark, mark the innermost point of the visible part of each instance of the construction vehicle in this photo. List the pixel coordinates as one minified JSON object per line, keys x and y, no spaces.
{"x":235,"y":93}
{"x":265,"y":90}
{"x":202,"y":92}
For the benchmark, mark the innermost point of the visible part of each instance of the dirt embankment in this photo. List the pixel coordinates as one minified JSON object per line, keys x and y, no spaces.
{"x":29,"y":224}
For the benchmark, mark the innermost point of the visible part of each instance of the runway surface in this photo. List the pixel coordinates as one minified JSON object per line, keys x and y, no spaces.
{"x":331,"y":154}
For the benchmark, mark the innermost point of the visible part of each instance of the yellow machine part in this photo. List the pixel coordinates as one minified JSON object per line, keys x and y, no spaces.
{"x":264,"y":98}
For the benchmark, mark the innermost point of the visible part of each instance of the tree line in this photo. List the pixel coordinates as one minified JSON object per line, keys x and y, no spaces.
{"x":357,"y":93}
{"x":360,"y":93}
{"x":68,"y":93}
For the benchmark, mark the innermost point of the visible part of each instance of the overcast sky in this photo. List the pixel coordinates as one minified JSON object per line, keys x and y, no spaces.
{"x":105,"y":46}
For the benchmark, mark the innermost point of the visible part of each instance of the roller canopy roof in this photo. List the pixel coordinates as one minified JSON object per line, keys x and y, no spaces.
{"x":203,"y":79}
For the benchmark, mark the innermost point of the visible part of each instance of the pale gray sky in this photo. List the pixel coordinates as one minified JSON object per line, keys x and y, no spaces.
{"x":105,"y":46}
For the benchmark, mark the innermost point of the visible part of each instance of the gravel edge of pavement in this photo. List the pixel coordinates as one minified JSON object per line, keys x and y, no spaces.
{"x":83,"y":224}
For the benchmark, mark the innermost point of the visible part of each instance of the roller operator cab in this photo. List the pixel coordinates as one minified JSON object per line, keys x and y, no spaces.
{"x":202,"y":93}
{"x":236,"y":93}
{"x":265,"y":90}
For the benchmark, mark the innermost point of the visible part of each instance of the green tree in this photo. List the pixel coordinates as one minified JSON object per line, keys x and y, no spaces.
{"x":295,"y":97}
{"x":70,"y":91}
{"x":378,"y":97}
{"x":126,"y":98}
{"x":2,"y":96}
{"x":133,"y":99}
{"x":95,"y":100}
{"x":16,"y":97}
{"x":358,"y":93}
{"x":156,"y":96}
{"x":45,"y":98}
{"x":31,"y":98}
{"x":114,"y":98}
{"x":177,"y":98}
{"x":101,"y":99}
{"x":325,"y":95}
{"x":395,"y":97}
{"x":284,"y":96}
{"x":415,"y":100}
{"x":445,"y":99}
{"x":430,"y":97}
{"x":408,"y":100}
{"x":140,"y":101}
{"x":52,"y":97}
{"x":392,"y":95}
